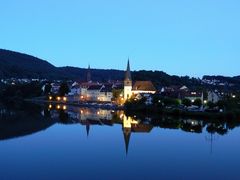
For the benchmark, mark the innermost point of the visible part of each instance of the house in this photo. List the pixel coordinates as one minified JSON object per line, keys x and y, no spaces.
{"x":174,"y":91}
{"x":145,"y":87}
{"x":55,"y":87}
{"x":147,"y":97}
{"x":193,"y":95}
{"x":214,"y":96}
{"x":93,"y":92}
{"x":106,"y":93}
{"x":75,"y":89}
{"x":98,"y":92}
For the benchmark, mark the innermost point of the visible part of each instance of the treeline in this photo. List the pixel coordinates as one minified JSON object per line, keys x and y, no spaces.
{"x":19,"y":92}
{"x":160,"y":78}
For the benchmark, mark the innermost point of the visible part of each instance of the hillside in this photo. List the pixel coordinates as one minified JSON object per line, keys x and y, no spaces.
{"x":13,"y":64}
{"x":19,"y":65}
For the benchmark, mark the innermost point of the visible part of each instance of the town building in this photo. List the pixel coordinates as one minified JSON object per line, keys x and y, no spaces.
{"x":214,"y":96}
{"x":139,"y":87}
{"x":193,"y":95}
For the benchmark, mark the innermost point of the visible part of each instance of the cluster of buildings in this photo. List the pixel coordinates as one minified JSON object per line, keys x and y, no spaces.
{"x":104,"y":92}
{"x":128,"y":89}
{"x":14,"y":81}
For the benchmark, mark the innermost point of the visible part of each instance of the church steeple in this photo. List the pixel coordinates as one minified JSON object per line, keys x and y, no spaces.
{"x":88,"y":128}
{"x":127,"y":135}
{"x":89,"y":74}
{"x":128,"y":76}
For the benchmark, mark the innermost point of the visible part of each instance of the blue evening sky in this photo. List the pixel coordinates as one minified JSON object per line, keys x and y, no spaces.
{"x":182,"y":37}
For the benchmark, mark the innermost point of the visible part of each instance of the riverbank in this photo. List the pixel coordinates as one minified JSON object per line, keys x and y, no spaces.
{"x":107,"y":106}
{"x":228,"y":115}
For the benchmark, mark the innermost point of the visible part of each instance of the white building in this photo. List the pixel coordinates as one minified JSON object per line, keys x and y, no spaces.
{"x":214,"y":96}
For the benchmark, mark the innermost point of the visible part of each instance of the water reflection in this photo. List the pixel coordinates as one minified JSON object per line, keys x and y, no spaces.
{"x":16,"y":123}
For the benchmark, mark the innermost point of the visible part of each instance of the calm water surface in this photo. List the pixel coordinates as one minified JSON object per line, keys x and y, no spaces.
{"x":59,"y":142}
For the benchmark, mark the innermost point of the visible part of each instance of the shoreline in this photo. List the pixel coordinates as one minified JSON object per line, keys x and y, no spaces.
{"x":230,"y":115}
{"x":106,"y":106}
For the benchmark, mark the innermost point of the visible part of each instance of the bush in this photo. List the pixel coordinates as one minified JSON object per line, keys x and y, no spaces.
{"x":186,"y":102}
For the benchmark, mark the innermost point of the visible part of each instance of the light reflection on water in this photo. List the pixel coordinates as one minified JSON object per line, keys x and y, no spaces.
{"x":64,"y":142}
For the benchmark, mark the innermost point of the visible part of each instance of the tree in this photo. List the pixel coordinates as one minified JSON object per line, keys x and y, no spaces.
{"x":170,"y":101}
{"x":210,"y":104}
{"x":64,"y":89}
{"x":221,"y":104}
{"x":198,"y":102}
{"x":186,"y":102}
{"x":47,"y":89}
{"x":116,"y":93}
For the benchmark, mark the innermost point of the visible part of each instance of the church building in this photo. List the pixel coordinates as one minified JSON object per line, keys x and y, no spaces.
{"x":139,"y":87}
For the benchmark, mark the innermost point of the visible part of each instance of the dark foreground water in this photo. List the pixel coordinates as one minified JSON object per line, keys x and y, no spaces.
{"x":58,"y":142}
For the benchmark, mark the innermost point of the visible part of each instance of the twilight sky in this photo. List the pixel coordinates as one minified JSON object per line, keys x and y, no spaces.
{"x":182,"y":37}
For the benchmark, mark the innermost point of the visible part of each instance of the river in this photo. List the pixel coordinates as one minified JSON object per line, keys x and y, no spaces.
{"x":65,"y":142}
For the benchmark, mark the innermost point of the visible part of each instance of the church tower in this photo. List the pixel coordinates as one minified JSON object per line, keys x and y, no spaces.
{"x":128,"y":83}
{"x":88,"y":74}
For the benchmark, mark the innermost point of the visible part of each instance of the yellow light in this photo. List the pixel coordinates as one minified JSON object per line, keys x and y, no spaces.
{"x":65,"y":98}
{"x":50,"y":106}
{"x":58,"y":106}
{"x":81,"y":97}
{"x":58,"y":98}
{"x":121,"y":116}
{"x":64,"y":107}
{"x":98,"y":112}
{"x":50,"y":97}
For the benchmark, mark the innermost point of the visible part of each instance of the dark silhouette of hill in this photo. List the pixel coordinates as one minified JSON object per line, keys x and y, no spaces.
{"x":101,"y":75}
{"x":17,"y":123}
{"x":19,"y":65}
{"x":13,"y":64}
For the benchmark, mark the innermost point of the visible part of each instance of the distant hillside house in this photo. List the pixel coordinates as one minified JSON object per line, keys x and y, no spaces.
{"x":214,"y":96}
{"x":193,"y":95}
{"x":139,"y":87}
